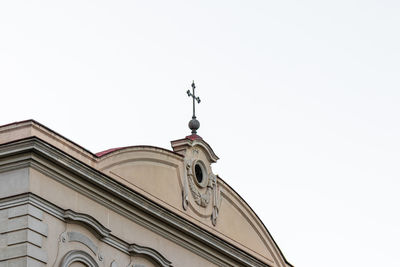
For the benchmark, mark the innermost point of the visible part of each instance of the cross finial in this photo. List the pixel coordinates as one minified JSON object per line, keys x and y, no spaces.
{"x":194,"y":124}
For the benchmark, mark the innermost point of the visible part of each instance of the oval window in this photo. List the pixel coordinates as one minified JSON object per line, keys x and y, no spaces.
{"x":199,"y":173}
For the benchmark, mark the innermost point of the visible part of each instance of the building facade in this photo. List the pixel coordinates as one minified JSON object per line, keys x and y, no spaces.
{"x":61,"y":205}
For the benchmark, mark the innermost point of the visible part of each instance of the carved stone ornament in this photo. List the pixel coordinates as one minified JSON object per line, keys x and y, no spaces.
{"x":91,"y":254}
{"x":67,"y":253}
{"x":204,"y":191}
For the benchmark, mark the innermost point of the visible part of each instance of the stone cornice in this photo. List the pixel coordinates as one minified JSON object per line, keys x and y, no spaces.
{"x":60,"y":166}
{"x":140,"y":250}
{"x":180,"y":146}
{"x":70,"y":215}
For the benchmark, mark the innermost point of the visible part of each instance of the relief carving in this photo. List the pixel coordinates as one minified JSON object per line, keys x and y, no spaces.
{"x":67,"y":253}
{"x":201,"y":197}
{"x":216,"y":202}
{"x":68,"y":237}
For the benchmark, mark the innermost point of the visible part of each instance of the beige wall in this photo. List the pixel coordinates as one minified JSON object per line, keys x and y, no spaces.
{"x":120,"y":226}
{"x":138,"y":205}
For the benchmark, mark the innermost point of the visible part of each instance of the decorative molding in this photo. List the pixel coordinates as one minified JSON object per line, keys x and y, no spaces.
{"x":212,"y":191}
{"x":182,"y":144}
{"x":202,"y":199}
{"x":217,"y":199}
{"x":72,"y":216}
{"x":78,"y":255}
{"x":87,"y":221}
{"x":35,"y":153}
{"x":135,"y":249}
{"x":81,"y":238}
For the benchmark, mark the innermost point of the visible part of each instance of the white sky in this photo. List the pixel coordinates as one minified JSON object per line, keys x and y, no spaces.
{"x":299,"y":100}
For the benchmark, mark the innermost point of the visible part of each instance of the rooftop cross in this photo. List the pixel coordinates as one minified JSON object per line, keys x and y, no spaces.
{"x":194,"y":124}
{"x":194,"y":98}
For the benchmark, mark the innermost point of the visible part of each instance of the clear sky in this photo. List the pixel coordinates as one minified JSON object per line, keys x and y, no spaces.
{"x":300,"y":100}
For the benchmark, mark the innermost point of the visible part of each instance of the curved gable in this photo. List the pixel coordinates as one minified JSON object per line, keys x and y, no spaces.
{"x":168,"y":178}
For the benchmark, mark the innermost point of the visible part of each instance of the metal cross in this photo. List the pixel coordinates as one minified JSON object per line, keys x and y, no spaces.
{"x":195,"y":98}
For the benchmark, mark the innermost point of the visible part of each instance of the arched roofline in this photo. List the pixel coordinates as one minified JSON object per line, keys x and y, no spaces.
{"x":111,"y":151}
{"x":241,"y":199}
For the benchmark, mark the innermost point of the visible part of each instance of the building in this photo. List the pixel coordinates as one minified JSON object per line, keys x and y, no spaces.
{"x":61,"y":205}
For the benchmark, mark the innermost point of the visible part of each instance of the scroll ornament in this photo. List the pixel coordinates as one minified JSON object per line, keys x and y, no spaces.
{"x":202,"y":199}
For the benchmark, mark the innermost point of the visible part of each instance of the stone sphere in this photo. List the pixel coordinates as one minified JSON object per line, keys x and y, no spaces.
{"x":194,"y":125}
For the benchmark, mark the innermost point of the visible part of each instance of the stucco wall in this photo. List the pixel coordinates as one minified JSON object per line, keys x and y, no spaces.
{"x":137,"y":205}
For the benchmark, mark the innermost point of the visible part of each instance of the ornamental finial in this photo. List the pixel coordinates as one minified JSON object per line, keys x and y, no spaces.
{"x":194,"y":124}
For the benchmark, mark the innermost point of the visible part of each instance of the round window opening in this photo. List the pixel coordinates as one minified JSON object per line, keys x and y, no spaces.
{"x":199,"y":173}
